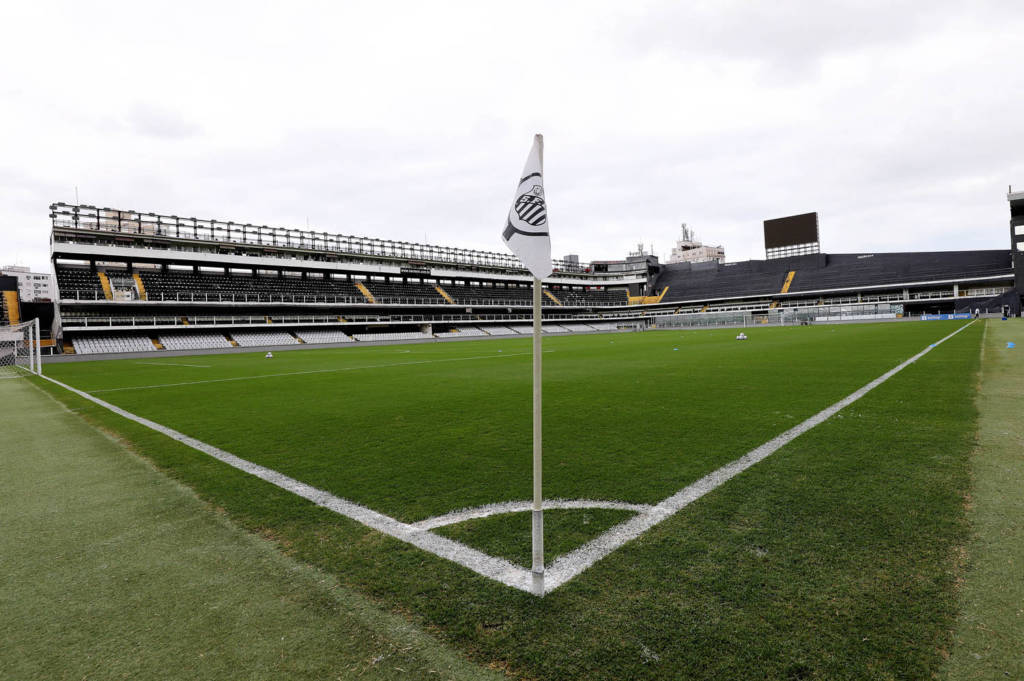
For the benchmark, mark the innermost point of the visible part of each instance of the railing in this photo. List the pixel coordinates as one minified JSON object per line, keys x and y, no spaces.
{"x":192,"y":297}
{"x":152,"y":224}
{"x":205,"y":321}
{"x":926,"y":295}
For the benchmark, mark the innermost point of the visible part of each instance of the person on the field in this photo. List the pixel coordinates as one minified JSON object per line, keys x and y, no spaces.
{"x":742,"y":336}
{"x":269,"y":355}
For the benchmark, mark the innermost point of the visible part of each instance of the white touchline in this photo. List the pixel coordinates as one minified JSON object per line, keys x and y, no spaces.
{"x":301,"y":373}
{"x":562,"y":569}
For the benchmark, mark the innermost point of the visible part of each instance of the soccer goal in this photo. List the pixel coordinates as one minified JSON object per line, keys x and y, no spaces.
{"x":19,"y":350}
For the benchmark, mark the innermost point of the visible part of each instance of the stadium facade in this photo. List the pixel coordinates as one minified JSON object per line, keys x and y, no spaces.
{"x":141,"y":282}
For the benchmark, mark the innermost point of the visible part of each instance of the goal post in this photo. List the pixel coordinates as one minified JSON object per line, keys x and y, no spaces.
{"x":19,"y":350}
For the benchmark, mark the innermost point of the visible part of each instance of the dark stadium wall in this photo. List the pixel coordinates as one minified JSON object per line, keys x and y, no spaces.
{"x":1017,"y":247}
{"x":45,"y":311}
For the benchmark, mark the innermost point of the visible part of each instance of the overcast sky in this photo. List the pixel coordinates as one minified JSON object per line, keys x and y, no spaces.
{"x":901,"y":123}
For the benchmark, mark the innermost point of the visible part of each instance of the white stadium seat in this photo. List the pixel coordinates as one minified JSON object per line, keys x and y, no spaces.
{"x":92,"y":345}
{"x":251,"y":339}
{"x":324,"y":336}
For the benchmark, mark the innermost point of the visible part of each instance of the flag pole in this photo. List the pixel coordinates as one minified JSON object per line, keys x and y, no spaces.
{"x":538,"y":510}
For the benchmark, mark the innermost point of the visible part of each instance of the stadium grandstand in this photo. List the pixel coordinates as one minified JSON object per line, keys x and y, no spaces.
{"x":141,"y":282}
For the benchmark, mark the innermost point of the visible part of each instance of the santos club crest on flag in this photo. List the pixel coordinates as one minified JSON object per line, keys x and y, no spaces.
{"x":526,"y":230}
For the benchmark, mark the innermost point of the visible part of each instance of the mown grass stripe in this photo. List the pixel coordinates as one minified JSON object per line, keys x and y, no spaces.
{"x":497,"y":569}
{"x":572,"y":564}
{"x":301,"y":373}
{"x":989,"y":637}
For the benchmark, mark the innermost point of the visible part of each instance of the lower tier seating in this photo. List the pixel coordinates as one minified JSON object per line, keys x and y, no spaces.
{"x":501,"y":331}
{"x":194,"y":341}
{"x":91,"y":345}
{"x":461,"y":332}
{"x":324,"y":336}
{"x":391,"y":336}
{"x":251,"y":339}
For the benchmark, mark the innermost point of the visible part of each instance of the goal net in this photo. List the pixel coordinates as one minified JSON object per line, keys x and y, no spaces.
{"x":19,"y":350}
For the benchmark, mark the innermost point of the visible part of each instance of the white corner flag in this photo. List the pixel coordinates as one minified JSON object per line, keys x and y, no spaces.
{"x":526,"y":230}
{"x":526,"y":234}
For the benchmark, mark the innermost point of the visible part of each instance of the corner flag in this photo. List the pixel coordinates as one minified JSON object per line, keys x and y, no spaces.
{"x":526,"y":234}
{"x":526,"y":230}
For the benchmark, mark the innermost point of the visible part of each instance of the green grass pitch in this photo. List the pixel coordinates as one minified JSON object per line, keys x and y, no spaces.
{"x":834,"y":558}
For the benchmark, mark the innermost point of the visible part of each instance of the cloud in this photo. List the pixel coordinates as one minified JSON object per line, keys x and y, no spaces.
{"x":151,"y":120}
{"x":410,"y":122}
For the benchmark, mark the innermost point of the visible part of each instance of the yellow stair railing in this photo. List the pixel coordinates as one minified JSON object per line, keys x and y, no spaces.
{"x":139,"y":286}
{"x":444,"y":294}
{"x":551,"y":295}
{"x":788,"y":282}
{"x":105,"y":283}
{"x":647,"y":300}
{"x":365,"y":291}
{"x":11,"y":302}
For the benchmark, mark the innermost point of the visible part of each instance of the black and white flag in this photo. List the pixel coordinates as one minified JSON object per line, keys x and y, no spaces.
{"x":526,"y":230}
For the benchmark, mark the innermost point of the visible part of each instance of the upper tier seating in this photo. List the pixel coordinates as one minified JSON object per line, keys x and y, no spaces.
{"x":251,"y":339}
{"x":194,"y":341}
{"x":324,"y":336}
{"x":74,"y":283}
{"x":172,"y":284}
{"x":492,"y":295}
{"x":398,"y":292}
{"x":592,"y":298}
{"x":851,"y":270}
{"x":696,"y":281}
{"x":90,"y":345}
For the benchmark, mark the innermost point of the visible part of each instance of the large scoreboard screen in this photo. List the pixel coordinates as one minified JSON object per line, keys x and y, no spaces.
{"x":791,"y":231}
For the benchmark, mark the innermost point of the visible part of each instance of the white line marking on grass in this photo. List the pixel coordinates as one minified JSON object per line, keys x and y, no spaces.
{"x":496,"y":568}
{"x":521,"y":506}
{"x":310,"y":371}
{"x":561,"y":569}
{"x":172,"y":364}
{"x":573,"y":563}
